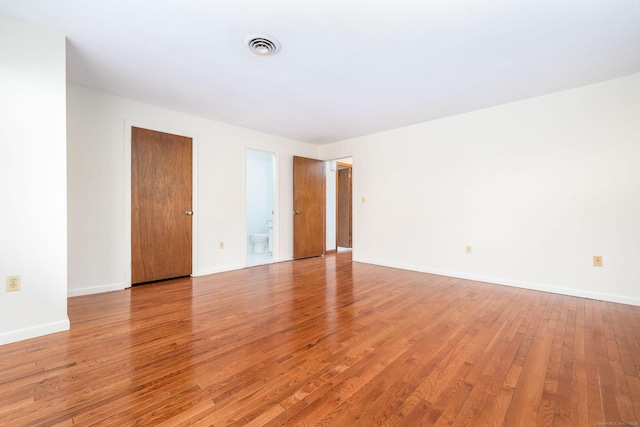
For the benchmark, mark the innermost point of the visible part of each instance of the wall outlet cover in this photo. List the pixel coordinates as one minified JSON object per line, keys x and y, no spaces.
{"x":13,"y":283}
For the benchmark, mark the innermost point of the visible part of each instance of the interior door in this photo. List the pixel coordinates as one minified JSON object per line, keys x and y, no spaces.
{"x":161,"y":217}
{"x":344,"y":207}
{"x":308,"y":207}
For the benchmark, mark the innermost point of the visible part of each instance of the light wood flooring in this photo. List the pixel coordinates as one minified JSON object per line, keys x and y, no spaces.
{"x":326,"y":341}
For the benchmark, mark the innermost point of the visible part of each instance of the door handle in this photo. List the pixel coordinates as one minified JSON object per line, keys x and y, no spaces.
{"x":189,"y":213}
{"x":296,"y":212}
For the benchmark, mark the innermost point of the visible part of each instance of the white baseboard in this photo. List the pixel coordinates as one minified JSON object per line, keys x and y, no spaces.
{"x":94,"y":290}
{"x":34,"y":331}
{"x":622,"y":299}
{"x":218,"y":270}
{"x":231,"y":268}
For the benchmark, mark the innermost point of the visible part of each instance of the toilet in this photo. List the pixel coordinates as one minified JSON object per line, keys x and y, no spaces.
{"x":259,"y":242}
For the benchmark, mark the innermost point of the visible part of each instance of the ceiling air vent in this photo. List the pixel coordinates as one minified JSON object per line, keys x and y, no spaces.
{"x":263,"y":45}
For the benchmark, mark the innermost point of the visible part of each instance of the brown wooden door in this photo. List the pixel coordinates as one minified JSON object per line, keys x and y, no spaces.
{"x":161,"y":217}
{"x":344,"y":207}
{"x":308,"y":207}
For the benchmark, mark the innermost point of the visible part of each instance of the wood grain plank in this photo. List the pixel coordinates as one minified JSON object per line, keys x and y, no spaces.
{"x":579,"y":396}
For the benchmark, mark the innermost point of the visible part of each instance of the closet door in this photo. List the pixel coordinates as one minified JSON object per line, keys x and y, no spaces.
{"x":161,"y":216}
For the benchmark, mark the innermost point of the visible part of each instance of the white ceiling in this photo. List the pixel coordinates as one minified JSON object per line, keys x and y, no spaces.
{"x":347,"y":67}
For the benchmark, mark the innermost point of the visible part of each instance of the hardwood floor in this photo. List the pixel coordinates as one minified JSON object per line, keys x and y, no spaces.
{"x":326,"y":341}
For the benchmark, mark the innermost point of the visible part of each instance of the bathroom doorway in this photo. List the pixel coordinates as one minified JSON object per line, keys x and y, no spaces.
{"x":260,"y":193}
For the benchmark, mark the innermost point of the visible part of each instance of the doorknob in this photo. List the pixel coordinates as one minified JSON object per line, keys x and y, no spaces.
{"x":188,"y":213}
{"x":296,"y":212}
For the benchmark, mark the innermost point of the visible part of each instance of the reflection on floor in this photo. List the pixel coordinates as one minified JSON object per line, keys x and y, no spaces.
{"x":341,"y":249}
{"x":259,"y":259}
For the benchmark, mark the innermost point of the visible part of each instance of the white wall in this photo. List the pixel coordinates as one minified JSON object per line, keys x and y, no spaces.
{"x":97,"y":140}
{"x":537,"y":188}
{"x":33,"y":221}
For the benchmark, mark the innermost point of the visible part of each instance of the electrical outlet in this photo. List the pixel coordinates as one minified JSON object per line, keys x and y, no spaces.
{"x":597,"y":261}
{"x":13,"y":283}
{"x":468,"y":250}
{"x":364,"y":199}
{"x":221,"y":245}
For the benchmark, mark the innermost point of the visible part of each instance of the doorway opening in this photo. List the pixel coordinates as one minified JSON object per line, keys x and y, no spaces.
{"x":260,"y":195}
{"x":339,"y":205}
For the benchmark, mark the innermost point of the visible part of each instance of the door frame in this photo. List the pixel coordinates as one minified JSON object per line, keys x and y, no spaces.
{"x":276,"y":201}
{"x":127,"y":193}
{"x":354,"y":205}
{"x":350,"y":167}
